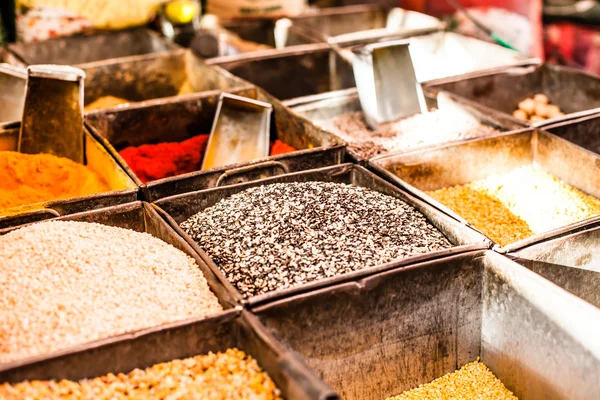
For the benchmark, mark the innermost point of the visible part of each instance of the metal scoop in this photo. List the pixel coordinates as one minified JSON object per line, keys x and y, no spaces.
{"x":386,"y":81}
{"x":12,"y":94}
{"x":52,"y":119}
{"x":240,"y":131}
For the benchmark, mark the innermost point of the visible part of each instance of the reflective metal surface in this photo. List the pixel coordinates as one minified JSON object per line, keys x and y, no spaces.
{"x":387,"y":333}
{"x":581,"y":131}
{"x":574,"y":92}
{"x":12,"y":95}
{"x":177,"y":209}
{"x":154,"y":123}
{"x":457,"y":164}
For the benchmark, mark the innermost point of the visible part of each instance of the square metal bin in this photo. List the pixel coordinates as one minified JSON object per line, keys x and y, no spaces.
{"x":81,"y":49}
{"x":575,"y":92}
{"x":232,"y":328}
{"x":153,"y":76}
{"x":464,"y":162}
{"x":568,"y":260}
{"x":381,"y":335}
{"x":581,"y":131}
{"x":324,"y":107}
{"x":177,"y":209}
{"x":256,"y":34}
{"x":293,"y":72}
{"x":352,"y":24}
{"x":142,"y":217}
{"x":177,"y":120}
{"x":98,"y":159}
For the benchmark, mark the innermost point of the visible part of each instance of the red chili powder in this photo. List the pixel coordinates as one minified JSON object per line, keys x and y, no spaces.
{"x":156,"y":161}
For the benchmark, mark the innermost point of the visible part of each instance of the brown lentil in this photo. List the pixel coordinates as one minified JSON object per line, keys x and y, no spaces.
{"x":65,"y":283}
{"x":228,"y":375}
{"x":518,"y":204}
{"x":277,"y":236}
{"x":421,"y":130}
{"x":473,"y":381}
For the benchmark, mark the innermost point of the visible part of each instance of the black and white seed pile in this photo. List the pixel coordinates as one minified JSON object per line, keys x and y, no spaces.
{"x":282,"y":235}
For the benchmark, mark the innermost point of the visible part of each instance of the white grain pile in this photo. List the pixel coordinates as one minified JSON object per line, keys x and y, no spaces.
{"x":65,"y":283}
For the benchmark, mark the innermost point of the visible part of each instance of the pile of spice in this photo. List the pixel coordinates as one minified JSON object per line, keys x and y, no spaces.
{"x":421,"y":130}
{"x":521,"y":203}
{"x":66,"y":283}
{"x":537,"y":109}
{"x":228,"y":375}
{"x":157,"y":161}
{"x":474,"y":381}
{"x":33,"y":178}
{"x":282,"y":235}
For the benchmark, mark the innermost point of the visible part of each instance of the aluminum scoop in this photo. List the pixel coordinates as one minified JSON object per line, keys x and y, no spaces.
{"x":52,"y":120}
{"x":12,"y":92}
{"x":386,"y":81}
{"x":240,"y":131}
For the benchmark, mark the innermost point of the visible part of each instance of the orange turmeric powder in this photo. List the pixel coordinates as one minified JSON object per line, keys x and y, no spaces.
{"x":33,"y":178}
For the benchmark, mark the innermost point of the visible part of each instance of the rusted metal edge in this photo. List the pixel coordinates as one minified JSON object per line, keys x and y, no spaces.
{"x":478,"y":244}
{"x":271,"y":53}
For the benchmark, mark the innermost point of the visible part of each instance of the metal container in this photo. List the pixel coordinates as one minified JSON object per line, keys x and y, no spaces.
{"x":13,"y":81}
{"x":177,"y":209}
{"x":293,"y":72}
{"x":98,"y":159}
{"x":142,"y":217}
{"x":574,"y":91}
{"x":153,"y":76}
{"x":353,"y":24}
{"x":323,"y":107}
{"x":231,"y":329}
{"x":458,"y":164}
{"x":384,"y":334}
{"x":568,"y":260}
{"x":81,"y":49}
{"x":177,"y":120}
{"x":257,"y":34}
{"x":581,"y":131}
{"x":445,"y":54}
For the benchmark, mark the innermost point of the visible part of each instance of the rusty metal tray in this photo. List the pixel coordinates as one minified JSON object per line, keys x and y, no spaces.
{"x":142,"y":217}
{"x":574,"y":91}
{"x":179,"y":119}
{"x":124,"y":353}
{"x":581,"y":131}
{"x":322,"y":107}
{"x":98,"y":158}
{"x":152,"y":76}
{"x":349,"y":25}
{"x":81,"y":49}
{"x":443,"y":166}
{"x":260,"y":32}
{"x":177,"y":209}
{"x":293,"y":72}
{"x":384,"y":334}
{"x":568,"y":260}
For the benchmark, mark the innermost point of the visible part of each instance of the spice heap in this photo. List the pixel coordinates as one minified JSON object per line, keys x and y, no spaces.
{"x":519,"y":204}
{"x":435,"y":127}
{"x":228,"y":375}
{"x":474,"y":381}
{"x":65,"y":283}
{"x":537,"y":109}
{"x":105,"y":102}
{"x":157,"y":161}
{"x":281,"y":235}
{"x":33,"y":178}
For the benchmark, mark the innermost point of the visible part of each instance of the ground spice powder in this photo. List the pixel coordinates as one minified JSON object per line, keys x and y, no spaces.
{"x":163,"y":160}
{"x":33,"y":178}
{"x":228,"y":375}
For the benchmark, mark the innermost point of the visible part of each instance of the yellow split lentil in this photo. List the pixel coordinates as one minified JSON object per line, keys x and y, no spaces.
{"x":521,"y":203}
{"x":474,"y":381}
{"x":228,"y":375}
